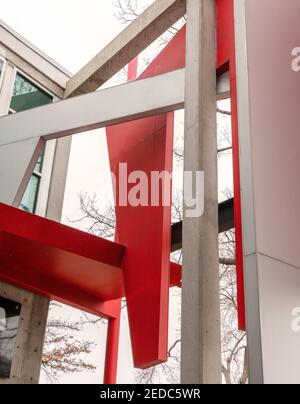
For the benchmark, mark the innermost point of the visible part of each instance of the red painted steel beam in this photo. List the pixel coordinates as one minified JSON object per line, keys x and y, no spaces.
{"x":226,"y":60}
{"x":146,"y":145}
{"x":112,"y":349}
{"x":61,"y":263}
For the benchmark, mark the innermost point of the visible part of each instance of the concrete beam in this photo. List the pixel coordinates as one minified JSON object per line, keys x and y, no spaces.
{"x":23,"y":140}
{"x":104,"y":108}
{"x":149,"y":26}
{"x":26,"y":361}
{"x":201,"y":345}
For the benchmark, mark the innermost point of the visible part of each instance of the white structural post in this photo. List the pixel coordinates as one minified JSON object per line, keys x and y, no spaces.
{"x":267,"y":41}
{"x":201,"y":352}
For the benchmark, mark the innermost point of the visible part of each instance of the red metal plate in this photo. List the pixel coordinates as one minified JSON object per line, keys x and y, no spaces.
{"x":59,"y":262}
{"x":146,"y":145}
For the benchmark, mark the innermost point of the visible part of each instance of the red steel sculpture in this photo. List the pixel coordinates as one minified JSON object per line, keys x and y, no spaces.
{"x":93,"y":274}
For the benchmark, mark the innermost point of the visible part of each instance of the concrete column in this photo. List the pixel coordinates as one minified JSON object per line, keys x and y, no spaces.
{"x":59,"y":179}
{"x":201,"y":348}
{"x":30,"y":340}
{"x":28,"y":346}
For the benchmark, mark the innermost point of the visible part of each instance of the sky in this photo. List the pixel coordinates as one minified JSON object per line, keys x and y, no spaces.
{"x":73,"y":32}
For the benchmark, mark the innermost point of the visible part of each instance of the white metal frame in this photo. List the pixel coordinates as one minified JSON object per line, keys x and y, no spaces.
{"x":33,"y":81}
{"x":2,"y":59}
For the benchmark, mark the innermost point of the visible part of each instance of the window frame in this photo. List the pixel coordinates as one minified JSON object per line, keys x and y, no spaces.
{"x":32,"y":81}
{"x":2,"y":58}
{"x":48,"y":149}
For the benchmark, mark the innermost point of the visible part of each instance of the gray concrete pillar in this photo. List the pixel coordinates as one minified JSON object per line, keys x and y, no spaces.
{"x":201,"y":347}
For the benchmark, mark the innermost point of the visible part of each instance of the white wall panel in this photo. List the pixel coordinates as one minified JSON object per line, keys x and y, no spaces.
{"x":269,"y":128}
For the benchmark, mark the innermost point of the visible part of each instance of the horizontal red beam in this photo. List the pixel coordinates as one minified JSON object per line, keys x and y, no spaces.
{"x":37,"y":229}
{"x":62,"y":263}
{"x":59,"y":262}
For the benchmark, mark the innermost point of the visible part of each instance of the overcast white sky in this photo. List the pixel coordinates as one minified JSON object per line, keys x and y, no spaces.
{"x":72,"y":32}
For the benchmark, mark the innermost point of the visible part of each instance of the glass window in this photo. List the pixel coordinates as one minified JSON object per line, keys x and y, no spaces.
{"x":39,"y":164}
{"x":26,"y":95}
{"x":29,"y":200}
{"x":9,"y":322}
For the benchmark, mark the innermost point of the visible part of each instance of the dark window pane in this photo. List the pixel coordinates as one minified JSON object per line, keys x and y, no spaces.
{"x":26,"y":95}
{"x":30,"y":197}
{"x":9,"y":322}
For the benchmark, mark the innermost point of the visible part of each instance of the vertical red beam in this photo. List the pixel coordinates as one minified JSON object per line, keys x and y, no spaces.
{"x":226,"y":59}
{"x":112,"y":349}
{"x":113,"y":328}
{"x":237,"y":199}
{"x":146,"y":145}
{"x":144,"y":272}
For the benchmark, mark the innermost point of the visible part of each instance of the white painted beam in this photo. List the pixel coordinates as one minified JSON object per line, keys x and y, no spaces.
{"x":104,"y":108}
{"x":152,"y":23}
{"x":21,"y":134}
{"x":17,"y":161}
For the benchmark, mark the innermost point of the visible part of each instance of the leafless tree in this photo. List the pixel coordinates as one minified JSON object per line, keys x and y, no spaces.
{"x":234,"y":342}
{"x":126,"y":11}
{"x":64,"y":351}
{"x":102,"y":223}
